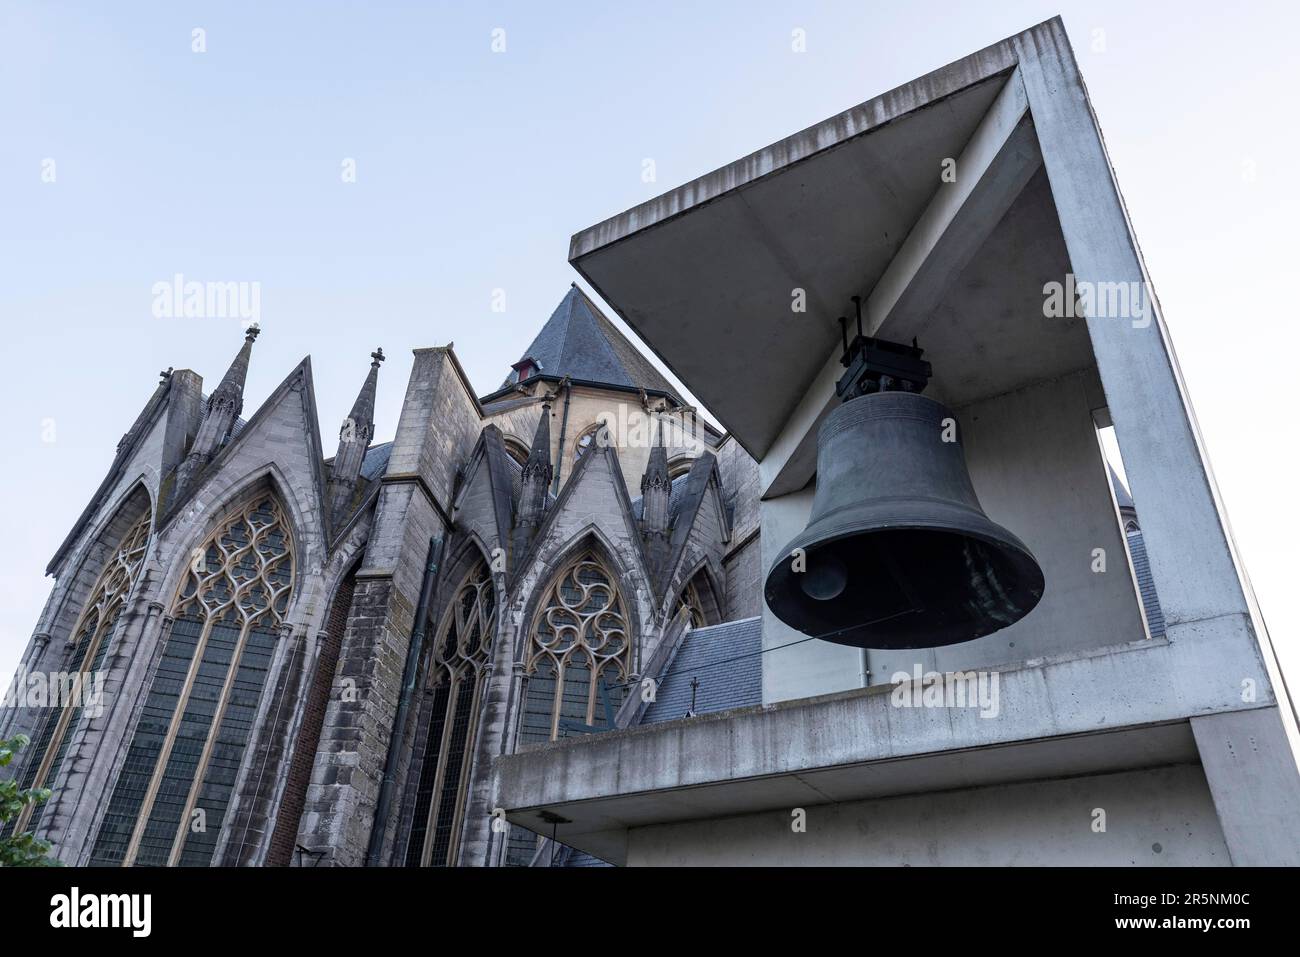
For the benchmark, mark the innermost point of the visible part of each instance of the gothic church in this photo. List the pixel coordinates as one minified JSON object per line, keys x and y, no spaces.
{"x":309,"y":661}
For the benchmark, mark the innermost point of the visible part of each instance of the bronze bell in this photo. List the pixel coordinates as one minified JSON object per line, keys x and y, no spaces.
{"x":898,"y":552}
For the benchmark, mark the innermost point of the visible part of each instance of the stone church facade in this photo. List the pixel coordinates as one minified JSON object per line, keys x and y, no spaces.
{"x":313,"y":661}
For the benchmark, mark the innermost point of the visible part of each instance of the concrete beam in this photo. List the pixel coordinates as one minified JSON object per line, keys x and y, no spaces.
{"x":830,"y":748}
{"x":877,"y":112}
{"x":994,"y":167}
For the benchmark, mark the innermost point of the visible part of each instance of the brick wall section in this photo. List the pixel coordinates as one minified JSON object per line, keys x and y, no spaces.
{"x":285,"y":836}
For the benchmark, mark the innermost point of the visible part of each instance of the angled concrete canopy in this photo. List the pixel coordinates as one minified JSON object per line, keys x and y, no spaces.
{"x":824,"y":211}
{"x":706,"y":274}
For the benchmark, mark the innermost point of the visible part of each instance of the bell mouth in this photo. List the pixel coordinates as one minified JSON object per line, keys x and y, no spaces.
{"x":908,"y":587}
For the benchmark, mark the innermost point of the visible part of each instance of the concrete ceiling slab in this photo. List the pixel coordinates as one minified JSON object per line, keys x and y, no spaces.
{"x":988,"y":335}
{"x":709,"y":284}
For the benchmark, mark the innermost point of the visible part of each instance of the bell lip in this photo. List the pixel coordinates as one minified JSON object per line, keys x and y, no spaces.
{"x":992,"y":533}
{"x":842,"y":635}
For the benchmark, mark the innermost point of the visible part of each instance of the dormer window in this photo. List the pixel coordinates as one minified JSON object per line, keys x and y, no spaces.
{"x":526,"y":368}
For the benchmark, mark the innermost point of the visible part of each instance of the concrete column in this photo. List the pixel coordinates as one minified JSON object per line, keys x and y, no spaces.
{"x":1195,"y":572}
{"x":1256,"y":795}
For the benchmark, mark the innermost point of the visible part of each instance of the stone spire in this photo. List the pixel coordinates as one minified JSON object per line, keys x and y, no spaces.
{"x":536,"y":477}
{"x":655,"y":488}
{"x":354,"y":439}
{"x":224,"y":405}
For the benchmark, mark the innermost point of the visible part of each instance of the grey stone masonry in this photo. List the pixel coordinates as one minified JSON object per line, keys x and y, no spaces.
{"x":743,"y":561}
{"x":354,"y":438}
{"x":324,"y":732}
{"x":438,"y":425}
{"x":224,"y":406}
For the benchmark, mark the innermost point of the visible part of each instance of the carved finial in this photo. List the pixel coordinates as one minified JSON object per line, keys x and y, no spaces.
{"x":252,"y":332}
{"x":377,"y":356}
{"x":165,"y":375}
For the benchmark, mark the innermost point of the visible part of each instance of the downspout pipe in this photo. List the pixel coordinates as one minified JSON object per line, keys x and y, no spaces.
{"x":410,"y":681}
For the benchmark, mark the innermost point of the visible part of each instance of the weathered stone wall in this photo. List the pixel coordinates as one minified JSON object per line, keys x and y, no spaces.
{"x":435,"y":434}
{"x":743,"y":563}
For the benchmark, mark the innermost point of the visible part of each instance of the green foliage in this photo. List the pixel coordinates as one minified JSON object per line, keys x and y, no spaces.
{"x":20,"y":850}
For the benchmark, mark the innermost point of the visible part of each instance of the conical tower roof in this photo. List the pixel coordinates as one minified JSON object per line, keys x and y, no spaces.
{"x":578,"y":341}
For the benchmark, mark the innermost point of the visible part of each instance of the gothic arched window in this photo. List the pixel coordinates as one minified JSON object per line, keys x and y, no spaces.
{"x":577,"y":662}
{"x":578,"y":656}
{"x":516,"y":450}
{"x":90,"y":641}
{"x":691,"y":601}
{"x":175,"y":787}
{"x":461,"y":650}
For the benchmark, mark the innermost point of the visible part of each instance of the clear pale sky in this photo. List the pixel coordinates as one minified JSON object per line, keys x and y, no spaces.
{"x":473,"y":169}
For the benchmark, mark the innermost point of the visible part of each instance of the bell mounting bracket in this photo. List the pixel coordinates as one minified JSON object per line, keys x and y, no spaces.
{"x":878,"y":365}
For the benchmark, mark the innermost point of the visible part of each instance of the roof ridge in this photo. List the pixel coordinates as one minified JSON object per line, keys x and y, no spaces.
{"x":568,"y":321}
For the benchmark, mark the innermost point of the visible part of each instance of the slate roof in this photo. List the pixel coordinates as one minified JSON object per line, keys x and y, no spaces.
{"x":578,"y":858}
{"x":376,"y":461}
{"x":579,"y":342}
{"x":1137,"y":551}
{"x":725,"y":659}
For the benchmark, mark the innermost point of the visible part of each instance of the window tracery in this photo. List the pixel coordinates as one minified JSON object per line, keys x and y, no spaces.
{"x":461,"y":651}
{"x":173,"y":792}
{"x":576,"y":663}
{"x":90,"y":639}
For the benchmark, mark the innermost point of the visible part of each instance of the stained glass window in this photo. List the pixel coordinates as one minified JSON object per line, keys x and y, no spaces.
{"x":577,"y":665}
{"x":175,"y":787}
{"x":91,"y":638}
{"x":462,"y":648}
